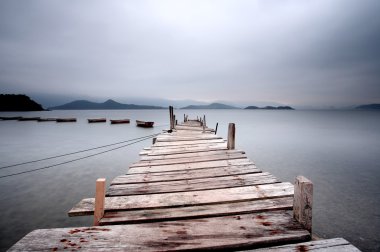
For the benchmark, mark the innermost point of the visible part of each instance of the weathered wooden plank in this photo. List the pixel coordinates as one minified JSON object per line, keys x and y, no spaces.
{"x":204,"y":211}
{"x":186,"y":174}
{"x":184,"y":138}
{"x":329,"y":245}
{"x":191,"y":155}
{"x":227,"y":232}
{"x":189,"y":128}
{"x":217,"y":196}
{"x":182,"y":150}
{"x":187,"y":160}
{"x":190,"y":166}
{"x":197,"y":142}
{"x":192,"y":184}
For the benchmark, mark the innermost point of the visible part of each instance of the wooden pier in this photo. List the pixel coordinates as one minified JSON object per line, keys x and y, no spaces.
{"x":191,"y":190}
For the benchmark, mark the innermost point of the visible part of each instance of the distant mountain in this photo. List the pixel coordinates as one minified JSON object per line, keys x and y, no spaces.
{"x":271,"y":108}
{"x":369,"y":107}
{"x":210,"y":106}
{"x":12,"y":102}
{"x":109,"y":104}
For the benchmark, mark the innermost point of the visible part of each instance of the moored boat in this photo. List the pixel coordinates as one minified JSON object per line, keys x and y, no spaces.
{"x":66,"y":120}
{"x":97,"y":120}
{"x":144,"y":124}
{"x":47,"y":119}
{"x":120,"y":121}
{"x":10,"y":118}
{"x":29,"y":119}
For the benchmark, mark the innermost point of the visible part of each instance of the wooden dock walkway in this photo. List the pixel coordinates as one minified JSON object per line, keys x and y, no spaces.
{"x":190,"y":192}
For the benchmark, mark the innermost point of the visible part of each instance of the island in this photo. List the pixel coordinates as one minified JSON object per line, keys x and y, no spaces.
{"x":210,"y":106}
{"x":109,"y":104}
{"x":271,"y":108}
{"x":18,"y":102}
{"x":368,"y":107}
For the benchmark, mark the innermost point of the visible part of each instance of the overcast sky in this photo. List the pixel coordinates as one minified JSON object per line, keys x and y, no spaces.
{"x":294,"y":52}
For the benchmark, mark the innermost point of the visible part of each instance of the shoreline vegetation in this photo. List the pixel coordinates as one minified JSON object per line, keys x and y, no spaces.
{"x":21,"y":102}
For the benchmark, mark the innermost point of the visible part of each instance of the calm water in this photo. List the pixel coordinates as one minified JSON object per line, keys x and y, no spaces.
{"x":338,"y":150}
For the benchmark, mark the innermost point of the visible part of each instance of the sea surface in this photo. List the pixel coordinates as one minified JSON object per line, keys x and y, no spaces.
{"x":338,"y":150}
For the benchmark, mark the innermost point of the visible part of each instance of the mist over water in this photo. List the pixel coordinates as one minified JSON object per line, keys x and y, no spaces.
{"x":337,"y":150}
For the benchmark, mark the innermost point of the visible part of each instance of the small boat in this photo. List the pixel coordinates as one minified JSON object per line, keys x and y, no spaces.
{"x":98,"y":120}
{"x":47,"y":119}
{"x":66,"y":120}
{"x":10,"y":118}
{"x":29,"y":118}
{"x":144,"y":124}
{"x":120,"y":121}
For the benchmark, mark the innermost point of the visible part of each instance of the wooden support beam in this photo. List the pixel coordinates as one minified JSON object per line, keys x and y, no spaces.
{"x":231,"y":136}
{"x":99,"y":200}
{"x":303,"y":202}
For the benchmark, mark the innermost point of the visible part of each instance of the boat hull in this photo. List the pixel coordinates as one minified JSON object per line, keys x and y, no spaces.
{"x":144,"y":124}
{"x":120,"y":121}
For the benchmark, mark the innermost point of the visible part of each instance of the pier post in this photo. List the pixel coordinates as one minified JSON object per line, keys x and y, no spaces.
{"x":154,"y":140}
{"x":231,"y":137}
{"x":100,"y":194}
{"x":171,"y":115}
{"x":204,"y":124}
{"x":303,"y":202}
{"x":174,"y":120}
{"x":216,"y":128}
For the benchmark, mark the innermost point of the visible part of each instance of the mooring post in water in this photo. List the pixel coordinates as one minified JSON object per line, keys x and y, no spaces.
{"x":204,"y":123}
{"x":171,"y":114}
{"x":154,"y":140}
{"x":231,"y":136}
{"x":216,"y":128}
{"x":303,"y":202}
{"x":100,"y":194}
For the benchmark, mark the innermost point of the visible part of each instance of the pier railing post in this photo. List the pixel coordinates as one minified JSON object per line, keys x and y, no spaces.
{"x":171,"y":117}
{"x":303,"y":202}
{"x":231,"y":137}
{"x":204,"y":124}
{"x":99,"y":200}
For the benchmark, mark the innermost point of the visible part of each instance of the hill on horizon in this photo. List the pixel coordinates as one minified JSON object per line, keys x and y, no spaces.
{"x":271,"y":108}
{"x":13,"y":102}
{"x":211,"y":106}
{"x":109,"y":104}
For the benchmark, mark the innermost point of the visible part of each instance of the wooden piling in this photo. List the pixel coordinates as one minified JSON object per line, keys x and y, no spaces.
{"x":216,"y":128}
{"x":231,"y":137}
{"x":204,"y":124}
{"x":303,"y":202}
{"x":154,"y":140}
{"x":99,"y":200}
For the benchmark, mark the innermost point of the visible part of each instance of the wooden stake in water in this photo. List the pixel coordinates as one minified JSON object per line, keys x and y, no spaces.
{"x":99,"y":200}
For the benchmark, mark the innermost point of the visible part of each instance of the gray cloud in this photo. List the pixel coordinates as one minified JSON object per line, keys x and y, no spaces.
{"x":293,"y":52}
